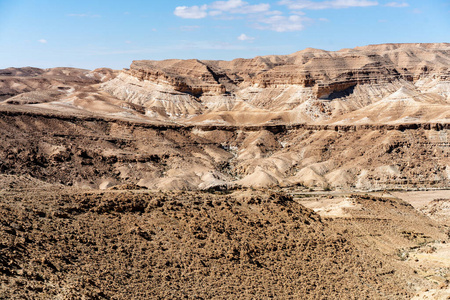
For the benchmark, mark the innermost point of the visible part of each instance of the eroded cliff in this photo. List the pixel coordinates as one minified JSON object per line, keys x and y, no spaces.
{"x":309,"y":85}
{"x":372,"y":117}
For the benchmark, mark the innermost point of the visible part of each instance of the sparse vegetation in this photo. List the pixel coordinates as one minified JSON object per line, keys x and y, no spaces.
{"x":402,"y":254}
{"x":179,"y":244}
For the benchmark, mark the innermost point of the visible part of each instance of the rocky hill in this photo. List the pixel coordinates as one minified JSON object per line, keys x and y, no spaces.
{"x":282,"y":177}
{"x":309,"y":85}
{"x":372,"y":117}
{"x":119,"y":244}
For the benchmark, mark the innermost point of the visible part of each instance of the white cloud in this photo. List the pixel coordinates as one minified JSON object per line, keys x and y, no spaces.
{"x":282,"y":23}
{"x":227,"y":5}
{"x":219,"y":7}
{"x":273,"y":12}
{"x":42,"y":41}
{"x":298,"y":12}
{"x":263,"y":17}
{"x":193,"y":12}
{"x":238,"y":6}
{"x":397,"y":4}
{"x":324,"y":20}
{"x":331,"y":4}
{"x":244,"y":37}
{"x":253,"y":9}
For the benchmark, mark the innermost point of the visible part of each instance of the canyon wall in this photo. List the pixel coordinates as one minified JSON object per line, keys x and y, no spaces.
{"x":372,"y":117}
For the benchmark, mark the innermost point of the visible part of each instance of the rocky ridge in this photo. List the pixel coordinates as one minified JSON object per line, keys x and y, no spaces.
{"x":309,"y":85}
{"x":372,"y":117}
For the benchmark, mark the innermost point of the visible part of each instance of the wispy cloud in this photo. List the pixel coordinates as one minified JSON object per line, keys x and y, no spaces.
{"x":262,"y":17}
{"x":42,"y":41}
{"x":87,"y":15}
{"x":219,"y":7}
{"x":245,"y":38}
{"x":189,"y":28}
{"x":397,"y":4}
{"x":227,"y":5}
{"x":332,"y":4}
{"x":238,"y":6}
{"x":192,"y":12}
{"x":282,"y":23}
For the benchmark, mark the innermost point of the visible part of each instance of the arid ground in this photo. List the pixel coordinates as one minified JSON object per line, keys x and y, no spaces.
{"x":315,"y":175}
{"x":126,"y":242}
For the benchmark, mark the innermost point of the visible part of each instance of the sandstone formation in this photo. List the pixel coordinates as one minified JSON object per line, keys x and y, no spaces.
{"x":309,"y":85}
{"x":279,"y":177}
{"x":372,"y":117}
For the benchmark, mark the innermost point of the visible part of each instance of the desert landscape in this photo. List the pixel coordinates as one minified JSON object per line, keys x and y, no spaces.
{"x":314,"y":175}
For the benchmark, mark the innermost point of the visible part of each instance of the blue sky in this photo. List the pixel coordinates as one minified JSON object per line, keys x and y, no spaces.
{"x":106,"y":33}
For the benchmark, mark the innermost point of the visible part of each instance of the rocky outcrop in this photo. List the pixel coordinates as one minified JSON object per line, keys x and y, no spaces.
{"x":307,"y":86}
{"x":327,"y":72}
{"x":82,"y":150}
{"x":190,"y":76}
{"x":350,"y":86}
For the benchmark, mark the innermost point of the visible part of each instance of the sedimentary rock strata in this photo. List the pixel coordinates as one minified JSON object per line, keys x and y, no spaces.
{"x":372,"y":117}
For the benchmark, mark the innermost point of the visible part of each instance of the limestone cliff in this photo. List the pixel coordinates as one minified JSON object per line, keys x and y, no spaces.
{"x":372,"y":117}
{"x":309,"y":85}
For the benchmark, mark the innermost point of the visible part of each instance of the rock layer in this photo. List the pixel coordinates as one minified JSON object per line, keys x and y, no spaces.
{"x":373,"y":117}
{"x":291,"y":85}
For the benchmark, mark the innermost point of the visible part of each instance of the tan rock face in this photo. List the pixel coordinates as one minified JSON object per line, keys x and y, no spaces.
{"x":286,"y":88}
{"x":190,"y":76}
{"x":372,"y":117}
{"x":326,"y":71}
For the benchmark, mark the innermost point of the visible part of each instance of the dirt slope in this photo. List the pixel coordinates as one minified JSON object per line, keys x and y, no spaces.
{"x":84,"y":150}
{"x":121,"y":244}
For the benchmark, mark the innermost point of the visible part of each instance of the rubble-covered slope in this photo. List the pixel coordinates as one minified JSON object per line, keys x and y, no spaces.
{"x":119,"y":244}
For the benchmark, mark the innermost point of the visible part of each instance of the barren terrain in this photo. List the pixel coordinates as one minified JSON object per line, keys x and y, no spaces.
{"x":368,"y":118}
{"x":315,"y":175}
{"x":67,"y":243}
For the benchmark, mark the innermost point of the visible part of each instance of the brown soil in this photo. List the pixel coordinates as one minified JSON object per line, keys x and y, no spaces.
{"x":418,"y":240}
{"x":122,"y":244}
